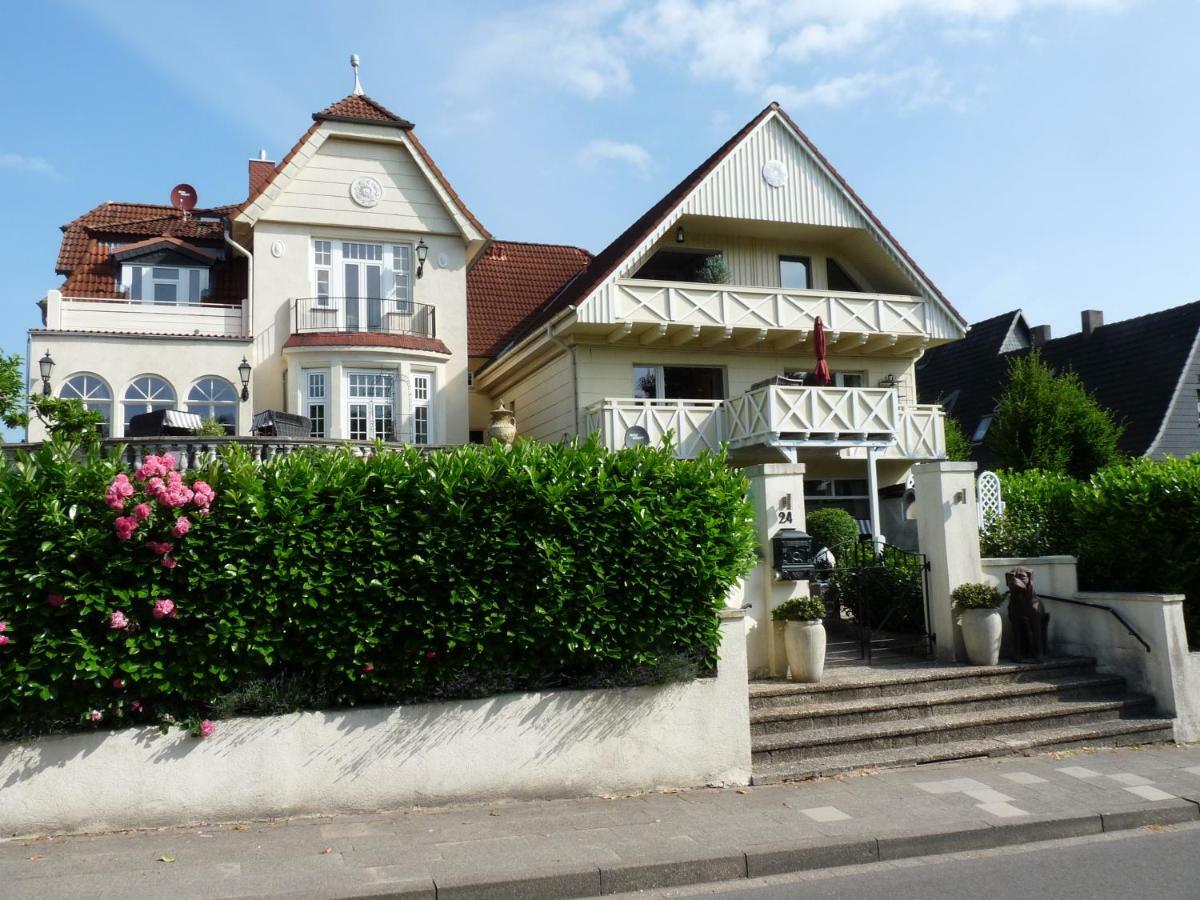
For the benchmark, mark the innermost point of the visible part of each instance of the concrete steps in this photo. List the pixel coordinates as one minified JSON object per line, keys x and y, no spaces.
{"x":920,"y":713}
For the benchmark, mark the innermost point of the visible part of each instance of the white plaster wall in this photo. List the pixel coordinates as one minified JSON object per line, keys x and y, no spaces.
{"x":1169,"y":672}
{"x":544,"y":401}
{"x":551,"y":744}
{"x":118,"y":359}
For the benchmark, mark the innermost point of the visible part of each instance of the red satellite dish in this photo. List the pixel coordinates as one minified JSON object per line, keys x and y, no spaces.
{"x":183,"y":197}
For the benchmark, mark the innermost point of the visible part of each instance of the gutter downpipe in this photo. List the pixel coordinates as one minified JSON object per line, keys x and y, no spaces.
{"x":247,"y":313}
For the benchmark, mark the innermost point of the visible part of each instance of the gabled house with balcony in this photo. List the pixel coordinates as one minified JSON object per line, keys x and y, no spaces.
{"x":700,"y":319}
{"x":340,"y":280}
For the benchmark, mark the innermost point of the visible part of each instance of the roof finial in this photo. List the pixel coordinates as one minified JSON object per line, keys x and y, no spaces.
{"x":357,"y":84}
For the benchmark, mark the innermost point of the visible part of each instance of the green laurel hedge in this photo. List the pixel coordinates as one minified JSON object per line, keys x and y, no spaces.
{"x":324,"y":579}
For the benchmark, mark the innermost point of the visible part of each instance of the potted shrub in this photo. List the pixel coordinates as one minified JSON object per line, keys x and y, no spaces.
{"x":803,"y":636}
{"x":977,"y":606}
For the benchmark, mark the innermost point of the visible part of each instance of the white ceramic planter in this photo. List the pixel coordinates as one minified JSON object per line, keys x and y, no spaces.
{"x":804,"y":643}
{"x":982,"y":630}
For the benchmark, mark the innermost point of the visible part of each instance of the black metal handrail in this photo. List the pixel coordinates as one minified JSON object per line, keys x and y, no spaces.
{"x":380,"y":315}
{"x":1116,"y":615}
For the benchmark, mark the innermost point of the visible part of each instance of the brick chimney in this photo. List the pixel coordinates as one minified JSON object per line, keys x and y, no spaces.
{"x":1092,"y":319}
{"x":1039,"y":334}
{"x":261,"y":170}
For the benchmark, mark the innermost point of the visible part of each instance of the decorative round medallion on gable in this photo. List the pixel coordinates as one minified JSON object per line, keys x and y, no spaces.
{"x":443,"y":260}
{"x":774,"y":173}
{"x":278,"y":249}
{"x":366,"y":191}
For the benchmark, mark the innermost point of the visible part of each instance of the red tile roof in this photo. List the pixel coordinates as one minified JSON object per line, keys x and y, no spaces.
{"x":608,"y":259}
{"x":510,"y":282}
{"x":85,"y":256}
{"x":361,"y":108}
{"x":366,"y":339}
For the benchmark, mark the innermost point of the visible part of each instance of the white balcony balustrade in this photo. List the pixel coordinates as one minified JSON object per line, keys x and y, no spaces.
{"x":140,"y":317}
{"x":779,"y":416}
{"x":877,"y":321}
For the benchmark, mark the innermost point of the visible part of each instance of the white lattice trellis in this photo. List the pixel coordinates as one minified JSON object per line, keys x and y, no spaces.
{"x":991,"y":502}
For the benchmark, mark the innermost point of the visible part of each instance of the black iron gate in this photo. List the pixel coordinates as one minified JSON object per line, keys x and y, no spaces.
{"x":876,"y":602}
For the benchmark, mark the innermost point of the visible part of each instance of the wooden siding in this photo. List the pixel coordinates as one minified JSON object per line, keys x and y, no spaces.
{"x":320,"y":190}
{"x":545,"y":401}
{"x":1180,"y":434}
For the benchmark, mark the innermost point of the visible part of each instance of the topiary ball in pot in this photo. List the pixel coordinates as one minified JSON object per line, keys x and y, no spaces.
{"x":978,"y":611}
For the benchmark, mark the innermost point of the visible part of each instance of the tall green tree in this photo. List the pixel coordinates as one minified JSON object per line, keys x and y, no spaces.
{"x":12,"y":392}
{"x":958,"y":448}
{"x":1050,"y":422}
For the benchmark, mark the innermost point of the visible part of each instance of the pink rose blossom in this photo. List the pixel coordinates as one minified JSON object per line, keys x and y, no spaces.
{"x":431,"y":655}
{"x":207,"y":729}
{"x":125,"y":526}
{"x":136,"y":705}
{"x":164,"y":608}
{"x":168,"y":562}
{"x":119,"y":683}
{"x":3,"y":627}
{"x":142,"y":511}
{"x":159,"y":548}
{"x":202,"y":494}
{"x":182,"y":527}
{"x":95,"y":715}
{"x":3,"y":640}
{"x":117,"y":621}
{"x":56,"y":600}
{"x":369,"y":667}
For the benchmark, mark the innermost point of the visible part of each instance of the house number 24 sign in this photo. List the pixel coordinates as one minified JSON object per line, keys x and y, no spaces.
{"x":784,"y":509}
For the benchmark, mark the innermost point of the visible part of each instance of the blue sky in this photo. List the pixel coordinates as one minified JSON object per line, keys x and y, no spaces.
{"x":1028,"y":153}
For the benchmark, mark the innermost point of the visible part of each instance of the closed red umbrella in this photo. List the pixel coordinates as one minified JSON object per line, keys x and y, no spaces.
{"x":821,"y":376}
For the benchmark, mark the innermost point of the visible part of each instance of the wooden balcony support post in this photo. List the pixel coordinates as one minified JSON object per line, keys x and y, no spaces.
{"x":620,"y":332}
{"x":684,"y":336}
{"x":653,"y":335}
{"x":717,"y":337}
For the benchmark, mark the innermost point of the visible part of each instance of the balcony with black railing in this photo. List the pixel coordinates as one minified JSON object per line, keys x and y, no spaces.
{"x":381,"y":315}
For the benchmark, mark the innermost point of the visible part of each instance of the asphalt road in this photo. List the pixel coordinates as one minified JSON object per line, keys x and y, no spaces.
{"x":1161,"y":864}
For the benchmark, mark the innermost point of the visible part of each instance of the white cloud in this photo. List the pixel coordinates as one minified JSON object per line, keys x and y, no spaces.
{"x":913,"y":88}
{"x":593,"y":48}
{"x":603,"y":150}
{"x":32,"y":165}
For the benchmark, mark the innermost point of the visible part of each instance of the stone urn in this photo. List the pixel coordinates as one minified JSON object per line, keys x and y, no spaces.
{"x":804,"y":644}
{"x":504,"y":426}
{"x":981,"y":630}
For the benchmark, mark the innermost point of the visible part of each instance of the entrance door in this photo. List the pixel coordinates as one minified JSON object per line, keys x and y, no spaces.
{"x":363,"y":275}
{"x":371,"y":403}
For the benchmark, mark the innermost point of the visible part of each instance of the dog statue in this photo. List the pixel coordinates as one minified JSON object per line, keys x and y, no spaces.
{"x":1030,"y":621}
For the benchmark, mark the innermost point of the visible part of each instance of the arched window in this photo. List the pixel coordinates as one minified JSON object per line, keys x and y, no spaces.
{"x":147,"y":393}
{"x":95,"y":395}
{"x":214,"y":398}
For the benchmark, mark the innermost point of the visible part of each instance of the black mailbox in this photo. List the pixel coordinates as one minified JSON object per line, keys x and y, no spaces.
{"x":792,"y":554}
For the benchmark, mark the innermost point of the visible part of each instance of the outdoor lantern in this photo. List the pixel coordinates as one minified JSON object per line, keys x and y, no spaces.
{"x":680,"y":237}
{"x":422,"y":253}
{"x":244,"y":372}
{"x":792,"y":555}
{"x":46,"y":365}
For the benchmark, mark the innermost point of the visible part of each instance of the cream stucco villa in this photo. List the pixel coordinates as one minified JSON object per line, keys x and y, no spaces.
{"x":364,"y":295}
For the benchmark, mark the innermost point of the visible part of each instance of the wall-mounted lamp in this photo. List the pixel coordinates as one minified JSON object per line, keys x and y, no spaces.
{"x":46,"y":366}
{"x":680,"y":237}
{"x":960,"y":496}
{"x":889,"y":382}
{"x":422,"y":254}
{"x":244,"y":372}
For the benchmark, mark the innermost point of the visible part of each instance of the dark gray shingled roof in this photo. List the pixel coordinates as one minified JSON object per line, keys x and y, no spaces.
{"x":1132,"y":368}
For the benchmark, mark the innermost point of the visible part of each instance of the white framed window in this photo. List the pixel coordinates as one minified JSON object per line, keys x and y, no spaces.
{"x":371,"y":405}
{"x":322,"y":271}
{"x":164,"y":284}
{"x":850,"y":494}
{"x":360,"y":276}
{"x":981,"y":429}
{"x":316,"y":401}
{"x":654,"y":382}
{"x":95,"y":395}
{"x":422,"y":405}
{"x":146,"y":393}
{"x":850,"y":379}
{"x":214,"y":398}
{"x":402,"y":278}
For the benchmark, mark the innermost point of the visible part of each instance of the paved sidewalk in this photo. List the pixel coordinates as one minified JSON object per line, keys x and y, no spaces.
{"x":581,"y":848}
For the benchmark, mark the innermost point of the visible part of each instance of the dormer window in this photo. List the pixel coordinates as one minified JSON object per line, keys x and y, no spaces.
{"x":164,"y":284}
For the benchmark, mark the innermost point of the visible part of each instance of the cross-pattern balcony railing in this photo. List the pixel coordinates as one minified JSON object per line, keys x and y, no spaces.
{"x":737,"y":306}
{"x":373,"y":314}
{"x":778,"y":416}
